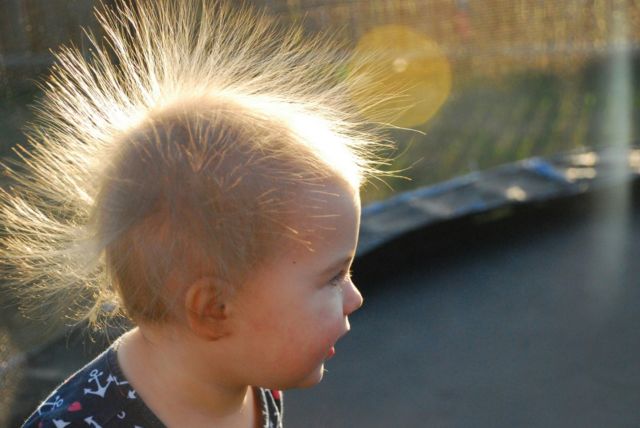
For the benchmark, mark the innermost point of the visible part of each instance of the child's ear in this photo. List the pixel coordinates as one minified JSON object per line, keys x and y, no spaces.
{"x":205,"y":308}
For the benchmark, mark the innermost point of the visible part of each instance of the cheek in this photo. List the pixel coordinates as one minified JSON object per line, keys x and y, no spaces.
{"x":318,"y":322}
{"x":331,"y":306}
{"x":300,"y":323}
{"x":273,"y":320}
{"x":264,"y":322}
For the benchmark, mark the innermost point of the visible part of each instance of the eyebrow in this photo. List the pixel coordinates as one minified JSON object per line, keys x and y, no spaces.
{"x":338,"y":263}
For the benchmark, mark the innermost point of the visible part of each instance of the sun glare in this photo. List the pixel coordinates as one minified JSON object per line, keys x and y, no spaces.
{"x":394,"y":59}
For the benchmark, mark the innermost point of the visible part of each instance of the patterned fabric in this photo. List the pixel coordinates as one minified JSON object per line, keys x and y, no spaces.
{"x":99,"y":396}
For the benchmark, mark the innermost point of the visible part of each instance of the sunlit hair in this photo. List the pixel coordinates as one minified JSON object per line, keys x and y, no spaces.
{"x":179,"y":148}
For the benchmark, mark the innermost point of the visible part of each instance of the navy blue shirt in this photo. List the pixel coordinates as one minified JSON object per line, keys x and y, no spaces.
{"x":99,"y":396}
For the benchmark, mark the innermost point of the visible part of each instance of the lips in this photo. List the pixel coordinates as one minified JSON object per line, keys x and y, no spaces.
{"x":332,"y":352}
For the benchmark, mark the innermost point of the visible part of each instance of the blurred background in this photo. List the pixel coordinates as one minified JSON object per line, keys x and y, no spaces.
{"x":500,"y":272}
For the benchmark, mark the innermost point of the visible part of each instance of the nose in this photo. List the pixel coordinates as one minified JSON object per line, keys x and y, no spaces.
{"x":352,"y":298}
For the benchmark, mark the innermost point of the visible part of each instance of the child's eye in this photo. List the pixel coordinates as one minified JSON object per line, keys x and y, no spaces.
{"x":344,"y":274}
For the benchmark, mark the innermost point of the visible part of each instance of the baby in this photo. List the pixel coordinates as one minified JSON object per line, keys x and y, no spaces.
{"x":200,"y":175}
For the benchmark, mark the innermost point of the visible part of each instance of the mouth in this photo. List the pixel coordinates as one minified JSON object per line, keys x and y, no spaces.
{"x":332,"y":352}
{"x":332,"y":349}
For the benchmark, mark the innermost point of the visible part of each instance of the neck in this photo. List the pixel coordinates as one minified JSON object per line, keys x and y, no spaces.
{"x":178,"y":386}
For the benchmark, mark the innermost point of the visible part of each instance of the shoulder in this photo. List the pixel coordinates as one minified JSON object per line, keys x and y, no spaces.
{"x":97,"y":395}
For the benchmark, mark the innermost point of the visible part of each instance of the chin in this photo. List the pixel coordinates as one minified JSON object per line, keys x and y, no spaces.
{"x":313,"y":378}
{"x":299,"y":381}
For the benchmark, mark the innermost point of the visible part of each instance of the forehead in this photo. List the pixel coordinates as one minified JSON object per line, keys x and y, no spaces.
{"x":328,"y":219}
{"x":325,"y":234}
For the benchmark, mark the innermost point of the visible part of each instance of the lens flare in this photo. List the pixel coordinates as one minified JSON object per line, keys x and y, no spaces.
{"x":391,"y":60}
{"x":610,"y":238}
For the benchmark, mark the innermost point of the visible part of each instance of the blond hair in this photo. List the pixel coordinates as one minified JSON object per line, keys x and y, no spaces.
{"x":179,"y":148}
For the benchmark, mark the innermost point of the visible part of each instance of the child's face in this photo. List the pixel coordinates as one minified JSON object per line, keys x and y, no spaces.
{"x":295,"y":309}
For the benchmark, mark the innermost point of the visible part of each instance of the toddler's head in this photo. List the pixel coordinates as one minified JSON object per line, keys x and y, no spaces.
{"x":227,"y":217}
{"x":208,"y":178}
{"x":206,"y":187}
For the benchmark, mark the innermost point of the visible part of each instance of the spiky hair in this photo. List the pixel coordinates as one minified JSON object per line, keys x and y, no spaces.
{"x":177,"y":85}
